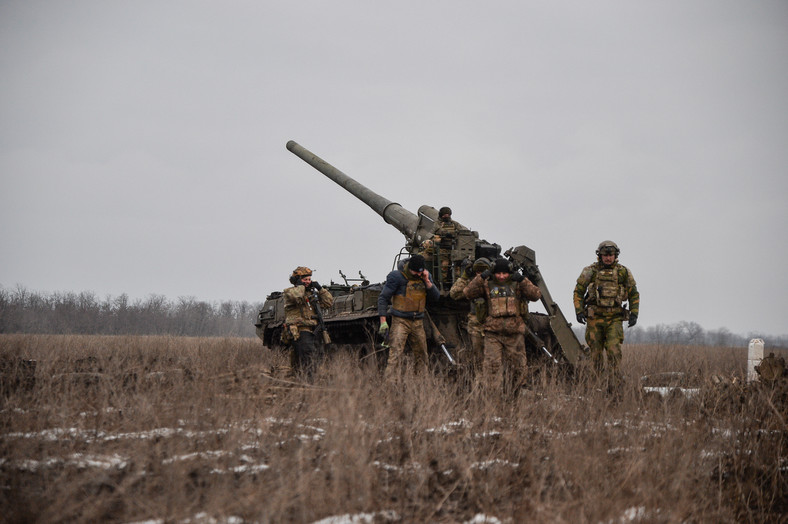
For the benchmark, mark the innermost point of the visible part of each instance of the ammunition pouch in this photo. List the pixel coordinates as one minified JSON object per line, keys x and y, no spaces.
{"x":599,"y":311}
{"x":479,"y":308}
{"x":504,"y":307}
{"x":607,"y":290}
{"x":290,"y":334}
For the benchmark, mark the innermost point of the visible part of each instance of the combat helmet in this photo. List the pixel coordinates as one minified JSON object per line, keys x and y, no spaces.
{"x":606,"y":247}
{"x":299,"y":273}
{"x":481,"y":264}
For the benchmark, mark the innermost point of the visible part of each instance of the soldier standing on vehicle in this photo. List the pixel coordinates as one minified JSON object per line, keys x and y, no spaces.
{"x":599,"y":297}
{"x":443,"y":233}
{"x":507,"y":293}
{"x":473,"y":358}
{"x":407,"y":290}
{"x":301,"y":321}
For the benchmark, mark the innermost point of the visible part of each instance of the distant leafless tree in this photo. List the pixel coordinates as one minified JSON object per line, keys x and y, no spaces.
{"x":686,"y":333}
{"x":24,"y":311}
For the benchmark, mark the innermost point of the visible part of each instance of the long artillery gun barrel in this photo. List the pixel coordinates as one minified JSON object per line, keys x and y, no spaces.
{"x":414,"y":227}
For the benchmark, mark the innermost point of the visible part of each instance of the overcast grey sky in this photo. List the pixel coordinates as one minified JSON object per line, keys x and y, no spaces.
{"x":142,"y":144}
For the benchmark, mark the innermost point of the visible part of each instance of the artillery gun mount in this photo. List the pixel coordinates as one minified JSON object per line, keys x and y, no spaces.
{"x":353,"y":321}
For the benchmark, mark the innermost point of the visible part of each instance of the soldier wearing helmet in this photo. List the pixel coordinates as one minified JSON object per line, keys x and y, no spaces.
{"x":473,"y":358}
{"x":506,"y":293}
{"x":602,"y":290}
{"x":441,"y":239}
{"x":300,"y":302}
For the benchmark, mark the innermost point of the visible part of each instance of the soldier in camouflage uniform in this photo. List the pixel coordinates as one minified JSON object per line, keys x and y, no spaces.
{"x":599,"y":297}
{"x":407,"y":289}
{"x":301,"y":320}
{"x":440,"y":240}
{"x":506,"y":293}
{"x":473,"y":358}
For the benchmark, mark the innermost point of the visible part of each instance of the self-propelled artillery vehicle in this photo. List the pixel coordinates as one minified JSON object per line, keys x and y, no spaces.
{"x":352,"y":322}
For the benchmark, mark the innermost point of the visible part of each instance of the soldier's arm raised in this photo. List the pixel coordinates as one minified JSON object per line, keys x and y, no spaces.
{"x":529,"y":290}
{"x":475,"y":288}
{"x":456,"y":291}
{"x":326,"y":298}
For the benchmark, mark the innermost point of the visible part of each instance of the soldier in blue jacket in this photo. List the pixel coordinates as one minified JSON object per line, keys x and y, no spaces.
{"x":407,"y":290}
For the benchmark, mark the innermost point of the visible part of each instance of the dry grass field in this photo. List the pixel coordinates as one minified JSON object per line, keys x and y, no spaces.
{"x":162,"y":429}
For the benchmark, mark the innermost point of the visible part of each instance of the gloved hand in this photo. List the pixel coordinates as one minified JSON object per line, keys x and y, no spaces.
{"x":517,"y":277}
{"x":317,"y":286}
{"x":633,"y":319}
{"x":581,"y":317}
{"x":486,"y":274}
{"x":384,"y":329}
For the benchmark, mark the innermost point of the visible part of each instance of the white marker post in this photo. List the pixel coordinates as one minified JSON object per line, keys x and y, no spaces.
{"x":754,"y":357}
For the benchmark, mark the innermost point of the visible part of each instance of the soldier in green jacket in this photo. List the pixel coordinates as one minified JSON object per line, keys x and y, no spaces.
{"x":602,"y":290}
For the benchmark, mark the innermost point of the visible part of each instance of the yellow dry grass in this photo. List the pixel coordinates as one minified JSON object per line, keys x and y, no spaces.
{"x":165,"y":429}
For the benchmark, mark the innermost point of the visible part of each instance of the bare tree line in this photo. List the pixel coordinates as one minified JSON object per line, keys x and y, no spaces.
{"x":692,"y":334}
{"x":24,"y":311}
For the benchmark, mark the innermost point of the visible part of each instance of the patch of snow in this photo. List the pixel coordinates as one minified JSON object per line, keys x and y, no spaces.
{"x":480,"y":518}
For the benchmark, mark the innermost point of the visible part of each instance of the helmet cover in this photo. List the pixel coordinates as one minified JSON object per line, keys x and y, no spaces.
{"x":607,"y":247}
{"x":481,"y":264}
{"x":302,"y":271}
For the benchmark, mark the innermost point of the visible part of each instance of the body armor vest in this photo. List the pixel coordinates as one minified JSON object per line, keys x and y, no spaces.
{"x":298,"y":309}
{"x":447,"y":231}
{"x":606,"y":290}
{"x":504,"y":299}
{"x":415,"y":298}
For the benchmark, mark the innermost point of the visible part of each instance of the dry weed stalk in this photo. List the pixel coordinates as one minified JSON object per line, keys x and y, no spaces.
{"x":134,"y":428}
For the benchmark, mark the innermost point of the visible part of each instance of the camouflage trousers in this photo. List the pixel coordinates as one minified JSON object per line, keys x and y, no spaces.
{"x":514,"y":362}
{"x":445,"y":256}
{"x":472,"y":357}
{"x":404,"y":332}
{"x":475,"y":360}
{"x":604,"y":336}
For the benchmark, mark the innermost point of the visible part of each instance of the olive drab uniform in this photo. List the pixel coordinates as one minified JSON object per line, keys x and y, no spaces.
{"x":300,"y":323}
{"x":600,"y":295}
{"x":504,"y":327}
